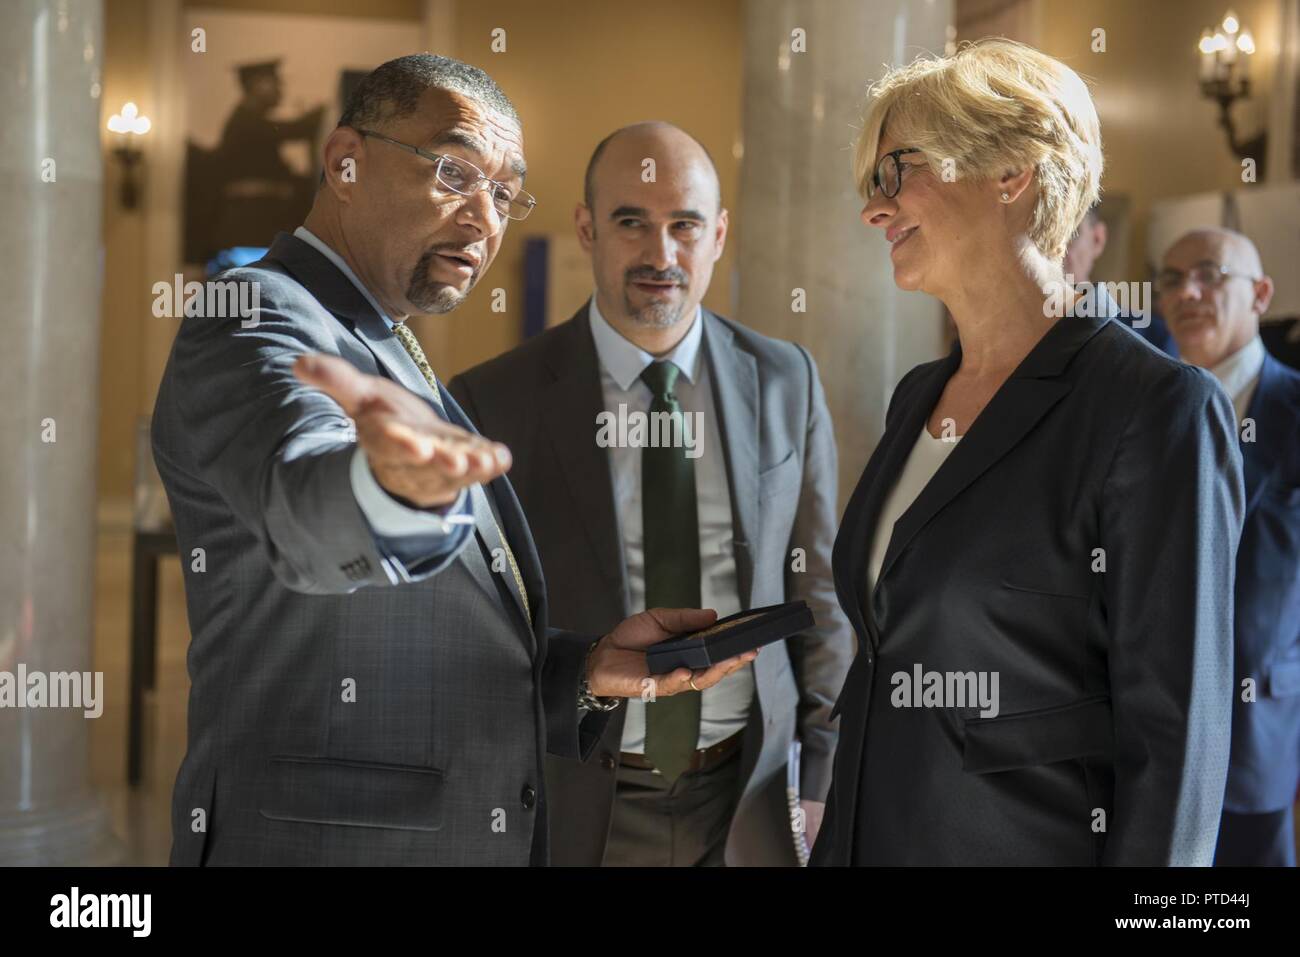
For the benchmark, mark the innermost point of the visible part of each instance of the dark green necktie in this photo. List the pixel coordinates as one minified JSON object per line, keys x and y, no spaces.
{"x":670,"y":531}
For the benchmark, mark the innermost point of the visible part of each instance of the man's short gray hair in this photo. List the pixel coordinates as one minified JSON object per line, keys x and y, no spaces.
{"x":392,"y":90}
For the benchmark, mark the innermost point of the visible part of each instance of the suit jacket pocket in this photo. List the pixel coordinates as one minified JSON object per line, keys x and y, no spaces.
{"x":1052,"y":592}
{"x":352,"y":793}
{"x":1043,"y":736}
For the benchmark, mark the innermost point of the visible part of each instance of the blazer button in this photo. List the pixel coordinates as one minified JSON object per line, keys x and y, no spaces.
{"x":607,"y":762}
{"x":528,"y":796}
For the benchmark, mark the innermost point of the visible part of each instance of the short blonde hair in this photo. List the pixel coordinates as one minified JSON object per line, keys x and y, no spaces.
{"x":995,"y":107}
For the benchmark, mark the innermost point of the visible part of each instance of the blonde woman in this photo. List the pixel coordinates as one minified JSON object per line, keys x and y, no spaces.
{"x":1038,"y":558}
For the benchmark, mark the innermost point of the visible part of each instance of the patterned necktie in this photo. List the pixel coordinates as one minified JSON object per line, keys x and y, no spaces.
{"x":671,"y":538}
{"x":407,"y":338}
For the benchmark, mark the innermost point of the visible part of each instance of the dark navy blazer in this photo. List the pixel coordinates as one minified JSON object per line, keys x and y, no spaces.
{"x":1111,"y":741}
{"x":1265,"y":763}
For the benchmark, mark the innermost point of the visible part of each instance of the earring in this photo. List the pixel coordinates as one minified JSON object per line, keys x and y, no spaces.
{"x":1006,"y":197}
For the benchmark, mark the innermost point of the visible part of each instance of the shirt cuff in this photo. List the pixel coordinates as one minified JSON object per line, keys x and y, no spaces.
{"x":389,"y":518}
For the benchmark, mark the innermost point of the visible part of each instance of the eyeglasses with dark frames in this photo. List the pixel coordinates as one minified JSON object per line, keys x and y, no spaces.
{"x":463,"y":177}
{"x":888,"y":175}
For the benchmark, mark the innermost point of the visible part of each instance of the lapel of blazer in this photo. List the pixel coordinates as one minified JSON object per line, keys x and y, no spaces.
{"x":1032,"y":390}
{"x":852,"y":550}
{"x":512,"y":524}
{"x":342,"y":298}
{"x":336,"y":292}
{"x":734,"y":376}
{"x":1259,"y":457}
{"x":515,"y":524}
{"x":571,"y":404}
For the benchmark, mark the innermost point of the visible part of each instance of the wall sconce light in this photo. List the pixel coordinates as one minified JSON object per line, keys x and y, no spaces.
{"x":1225,"y":78}
{"x":127,"y":124}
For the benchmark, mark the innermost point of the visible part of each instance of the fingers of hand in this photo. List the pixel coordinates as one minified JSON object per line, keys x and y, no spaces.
{"x":709,"y":678}
{"x":475,"y":458}
{"x":336,"y":377}
{"x":446,"y":450}
{"x":677,"y":620}
{"x":675,"y":682}
{"x":683,"y":679}
{"x":390,"y":442}
{"x":414,"y":452}
{"x":360,"y":393}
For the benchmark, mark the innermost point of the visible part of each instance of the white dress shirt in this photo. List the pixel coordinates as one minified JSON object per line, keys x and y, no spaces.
{"x":724,"y":708}
{"x":924,"y":460}
{"x":388,"y":518}
{"x":1239,"y":375}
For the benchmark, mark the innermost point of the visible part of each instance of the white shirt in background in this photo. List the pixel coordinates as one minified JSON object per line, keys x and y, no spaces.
{"x":1239,"y":374}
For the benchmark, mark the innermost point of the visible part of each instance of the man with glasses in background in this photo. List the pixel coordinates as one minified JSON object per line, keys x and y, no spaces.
{"x":373,"y":679}
{"x":1212,"y":291}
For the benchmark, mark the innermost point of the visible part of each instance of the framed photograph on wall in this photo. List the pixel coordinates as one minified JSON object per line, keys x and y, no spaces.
{"x":259,"y":101}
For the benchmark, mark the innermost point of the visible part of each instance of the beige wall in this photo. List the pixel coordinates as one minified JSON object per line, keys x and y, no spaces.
{"x":1161,"y":137}
{"x":576,"y":70}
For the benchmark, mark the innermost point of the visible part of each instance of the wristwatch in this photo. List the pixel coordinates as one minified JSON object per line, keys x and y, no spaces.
{"x":588,"y":700}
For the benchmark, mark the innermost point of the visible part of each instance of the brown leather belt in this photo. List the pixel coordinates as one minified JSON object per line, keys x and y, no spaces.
{"x":701,"y":760}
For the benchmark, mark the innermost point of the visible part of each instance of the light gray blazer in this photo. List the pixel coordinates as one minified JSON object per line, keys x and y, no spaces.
{"x":542,"y":399}
{"x":345,"y":708}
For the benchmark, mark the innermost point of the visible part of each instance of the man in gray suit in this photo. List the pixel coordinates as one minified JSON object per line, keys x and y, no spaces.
{"x":739,"y":514}
{"x":373,"y":679}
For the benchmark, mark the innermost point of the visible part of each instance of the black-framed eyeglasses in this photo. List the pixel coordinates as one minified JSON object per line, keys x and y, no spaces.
{"x":888,"y":175}
{"x":463,"y":177}
{"x":1207,"y":275}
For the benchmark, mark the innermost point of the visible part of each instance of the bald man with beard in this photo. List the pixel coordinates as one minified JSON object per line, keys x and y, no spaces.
{"x":741,"y":515}
{"x":1213,"y":290}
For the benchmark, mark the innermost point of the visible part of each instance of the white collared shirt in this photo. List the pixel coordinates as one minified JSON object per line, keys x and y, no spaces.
{"x":307,"y":236}
{"x":1239,"y":374}
{"x":724,"y":708}
{"x":388,"y":518}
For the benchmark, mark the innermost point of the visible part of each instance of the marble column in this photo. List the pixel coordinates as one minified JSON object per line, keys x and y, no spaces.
{"x":807,"y":66}
{"x":50,"y":271}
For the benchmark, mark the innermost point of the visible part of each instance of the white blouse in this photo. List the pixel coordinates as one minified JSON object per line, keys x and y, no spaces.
{"x":924,"y":460}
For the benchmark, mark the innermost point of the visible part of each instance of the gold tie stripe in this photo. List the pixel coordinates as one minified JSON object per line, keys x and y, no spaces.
{"x":412,"y":346}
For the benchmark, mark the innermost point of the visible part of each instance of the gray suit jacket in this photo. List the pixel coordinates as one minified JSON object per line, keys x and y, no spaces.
{"x":542,"y":400}
{"x":346,"y":708}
